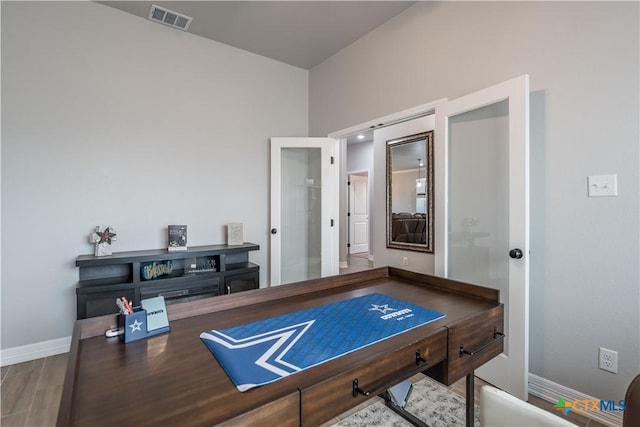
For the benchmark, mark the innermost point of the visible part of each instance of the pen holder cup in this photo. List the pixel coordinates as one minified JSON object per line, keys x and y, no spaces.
{"x":135,"y":326}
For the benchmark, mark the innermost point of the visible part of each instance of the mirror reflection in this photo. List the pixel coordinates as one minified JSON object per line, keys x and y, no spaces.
{"x":410,"y":192}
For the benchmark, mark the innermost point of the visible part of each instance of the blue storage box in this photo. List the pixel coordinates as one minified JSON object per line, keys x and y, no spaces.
{"x":135,"y":326}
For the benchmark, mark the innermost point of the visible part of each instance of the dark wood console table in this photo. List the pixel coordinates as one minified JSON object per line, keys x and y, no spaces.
{"x":173,"y":379}
{"x":198,"y":272}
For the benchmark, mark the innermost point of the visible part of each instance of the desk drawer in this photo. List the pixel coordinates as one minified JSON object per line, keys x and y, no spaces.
{"x":479,"y":335}
{"x":329,"y":398}
{"x":284,"y":412}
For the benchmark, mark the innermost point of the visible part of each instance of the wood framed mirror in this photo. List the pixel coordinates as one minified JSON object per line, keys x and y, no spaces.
{"x":410,"y":192}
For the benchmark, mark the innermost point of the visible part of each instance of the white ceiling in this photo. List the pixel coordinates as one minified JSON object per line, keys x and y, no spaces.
{"x":299,"y":33}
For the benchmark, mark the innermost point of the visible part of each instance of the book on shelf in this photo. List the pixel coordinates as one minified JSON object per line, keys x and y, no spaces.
{"x":177,"y":238}
{"x":234,"y":234}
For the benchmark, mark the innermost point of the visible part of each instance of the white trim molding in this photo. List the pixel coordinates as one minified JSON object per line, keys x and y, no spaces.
{"x":391,"y":119}
{"x":551,"y":392}
{"x":38,"y":350}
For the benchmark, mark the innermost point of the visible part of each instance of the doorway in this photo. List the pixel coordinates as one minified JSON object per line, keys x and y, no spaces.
{"x":348,"y":140}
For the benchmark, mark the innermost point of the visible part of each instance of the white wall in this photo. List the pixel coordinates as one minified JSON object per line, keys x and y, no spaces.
{"x":112,"y":119}
{"x":583,"y":59}
{"x":360,"y":157}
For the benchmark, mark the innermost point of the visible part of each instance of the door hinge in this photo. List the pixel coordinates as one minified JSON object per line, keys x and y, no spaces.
{"x":332,"y":223}
{"x":348,"y":245}
{"x":348,"y":213}
{"x":331,"y":159}
{"x":348,"y":182}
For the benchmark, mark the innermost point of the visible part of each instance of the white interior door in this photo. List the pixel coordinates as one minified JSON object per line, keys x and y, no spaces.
{"x":358,"y":214}
{"x":482,"y":203}
{"x":303,"y":210}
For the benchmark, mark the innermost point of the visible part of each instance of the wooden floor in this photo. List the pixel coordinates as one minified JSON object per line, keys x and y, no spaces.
{"x":31,"y":390}
{"x":357,"y":262}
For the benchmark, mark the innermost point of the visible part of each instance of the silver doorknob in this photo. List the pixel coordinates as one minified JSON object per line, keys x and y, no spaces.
{"x":516,"y":253}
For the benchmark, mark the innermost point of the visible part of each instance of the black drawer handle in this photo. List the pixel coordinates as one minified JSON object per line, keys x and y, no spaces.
{"x":357,"y":390}
{"x":421,"y":363}
{"x":496,"y":335}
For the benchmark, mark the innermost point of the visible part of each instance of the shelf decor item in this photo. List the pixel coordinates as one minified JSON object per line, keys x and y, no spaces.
{"x":234,"y":234}
{"x":177,"y":238}
{"x":102,"y":237}
{"x":153,"y":269}
{"x":207,"y":264}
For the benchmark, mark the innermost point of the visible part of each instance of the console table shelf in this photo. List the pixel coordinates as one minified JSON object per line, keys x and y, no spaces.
{"x":198,"y":272}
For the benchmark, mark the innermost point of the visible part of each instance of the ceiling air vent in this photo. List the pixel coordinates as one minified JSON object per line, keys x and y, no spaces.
{"x":169,"y":17}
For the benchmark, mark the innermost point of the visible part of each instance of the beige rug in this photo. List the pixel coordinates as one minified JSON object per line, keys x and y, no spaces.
{"x":430,"y":401}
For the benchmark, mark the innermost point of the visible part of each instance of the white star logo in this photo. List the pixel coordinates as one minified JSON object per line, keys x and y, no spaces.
{"x":136,"y":326}
{"x":382,"y":308}
{"x":273,"y":359}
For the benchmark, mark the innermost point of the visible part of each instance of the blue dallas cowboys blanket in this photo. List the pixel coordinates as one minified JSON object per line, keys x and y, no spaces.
{"x":262,"y":352}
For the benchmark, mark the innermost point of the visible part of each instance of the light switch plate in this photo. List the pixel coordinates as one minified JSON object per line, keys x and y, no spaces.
{"x":603,"y":185}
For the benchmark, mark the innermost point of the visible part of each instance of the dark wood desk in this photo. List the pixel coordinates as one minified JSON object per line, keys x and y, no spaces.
{"x":173,"y":379}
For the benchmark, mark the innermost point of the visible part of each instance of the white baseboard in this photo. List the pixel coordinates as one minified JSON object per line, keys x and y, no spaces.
{"x":345,"y":264}
{"x":551,"y":392}
{"x":25,"y":353}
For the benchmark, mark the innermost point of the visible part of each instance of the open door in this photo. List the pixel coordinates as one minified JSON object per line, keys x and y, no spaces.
{"x":482,"y":211}
{"x":304,"y":228}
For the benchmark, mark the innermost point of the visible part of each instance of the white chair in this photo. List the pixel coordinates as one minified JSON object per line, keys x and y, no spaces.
{"x":500,"y":409}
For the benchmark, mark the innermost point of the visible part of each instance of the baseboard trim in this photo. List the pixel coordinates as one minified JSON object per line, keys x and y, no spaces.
{"x":551,"y":392}
{"x":343,"y":264}
{"x":25,"y":353}
{"x":371,"y":258}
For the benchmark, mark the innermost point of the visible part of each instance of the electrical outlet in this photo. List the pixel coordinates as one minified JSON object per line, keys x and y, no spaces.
{"x":405,"y":261}
{"x":602,"y":185}
{"x":608,"y":360}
